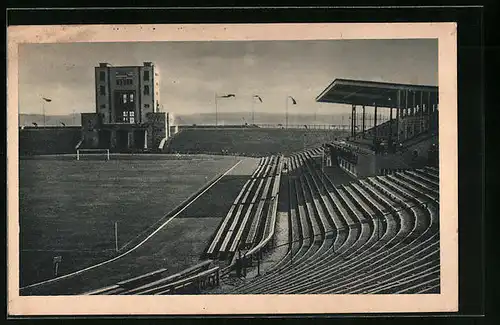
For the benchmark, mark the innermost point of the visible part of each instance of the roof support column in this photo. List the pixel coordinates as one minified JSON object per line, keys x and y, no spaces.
{"x":355,"y":119}
{"x":414,"y":107}
{"x":351,"y":119}
{"x":413,"y":114}
{"x":429,"y":104}
{"x":421,"y":106}
{"x":375,"y":124}
{"x":390,"y":129}
{"x":405,"y":125}
{"x":363,"y":126}
{"x":398,"y":109}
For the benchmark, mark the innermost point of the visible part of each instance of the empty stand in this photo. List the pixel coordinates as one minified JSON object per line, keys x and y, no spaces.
{"x":377,"y":235}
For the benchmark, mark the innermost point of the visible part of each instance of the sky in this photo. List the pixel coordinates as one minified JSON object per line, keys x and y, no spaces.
{"x":192,"y":72}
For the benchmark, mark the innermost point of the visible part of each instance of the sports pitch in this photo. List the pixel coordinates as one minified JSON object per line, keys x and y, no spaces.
{"x":69,"y":208}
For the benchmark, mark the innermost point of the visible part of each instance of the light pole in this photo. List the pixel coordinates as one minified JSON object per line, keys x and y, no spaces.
{"x":286,"y":113}
{"x":294,"y":102}
{"x":48,"y":100}
{"x":253,"y":111}
{"x":216,"y":113}
{"x":216,"y":108}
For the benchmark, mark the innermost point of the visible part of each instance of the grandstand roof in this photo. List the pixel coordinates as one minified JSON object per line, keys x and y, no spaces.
{"x":371,"y":93}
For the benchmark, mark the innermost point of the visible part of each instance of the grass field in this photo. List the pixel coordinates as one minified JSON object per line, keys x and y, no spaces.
{"x":178,"y":245}
{"x":68,"y":208}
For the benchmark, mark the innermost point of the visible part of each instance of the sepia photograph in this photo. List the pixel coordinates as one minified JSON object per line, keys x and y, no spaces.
{"x":231,"y":168}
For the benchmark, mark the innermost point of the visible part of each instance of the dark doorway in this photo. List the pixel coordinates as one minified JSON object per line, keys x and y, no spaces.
{"x":122,"y":139}
{"x":139,"y":139}
{"x":104,"y":139}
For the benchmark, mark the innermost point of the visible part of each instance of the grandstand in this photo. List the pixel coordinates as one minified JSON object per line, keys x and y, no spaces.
{"x":378,"y":235}
{"x":362,"y":211}
{"x":408,"y":140}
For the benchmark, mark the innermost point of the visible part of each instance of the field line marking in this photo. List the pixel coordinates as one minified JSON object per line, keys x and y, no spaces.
{"x":140,"y":243}
{"x":159,"y":221}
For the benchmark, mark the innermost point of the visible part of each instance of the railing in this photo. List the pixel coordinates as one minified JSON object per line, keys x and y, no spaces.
{"x":337,"y":127}
{"x":49,"y":127}
{"x":351,"y":147}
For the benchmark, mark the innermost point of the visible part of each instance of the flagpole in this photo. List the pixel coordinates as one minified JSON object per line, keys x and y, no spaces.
{"x":286,"y":112}
{"x":253,"y":114}
{"x":216,"y":117}
{"x":43,"y":111}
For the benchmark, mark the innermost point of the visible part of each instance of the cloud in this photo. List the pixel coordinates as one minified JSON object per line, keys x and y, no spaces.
{"x":191,"y":72}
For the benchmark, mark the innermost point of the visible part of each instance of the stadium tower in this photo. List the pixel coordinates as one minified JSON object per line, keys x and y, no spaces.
{"x":127,"y":115}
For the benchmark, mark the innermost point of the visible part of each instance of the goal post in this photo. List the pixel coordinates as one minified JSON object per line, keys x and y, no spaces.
{"x":81,"y":152}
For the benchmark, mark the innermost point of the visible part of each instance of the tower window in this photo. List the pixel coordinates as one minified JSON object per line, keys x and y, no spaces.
{"x":124,"y":82}
{"x":102,"y":90}
{"x":102,"y":76}
{"x":124,"y":98}
{"x":146,"y":75}
{"x":146,"y":90}
{"x":131,"y":98}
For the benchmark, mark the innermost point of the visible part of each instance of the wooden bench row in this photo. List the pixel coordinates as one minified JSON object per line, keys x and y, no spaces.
{"x":240,"y":227}
{"x":415,"y":187}
{"x":417,"y":179}
{"x":309,"y":216}
{"x":231,"y":222}
{"x":370,"y":203}
{"x":194,"y":284}
{"x":310,"y":278}
{"x":149,"y":280}
{"x":269,"y":194}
